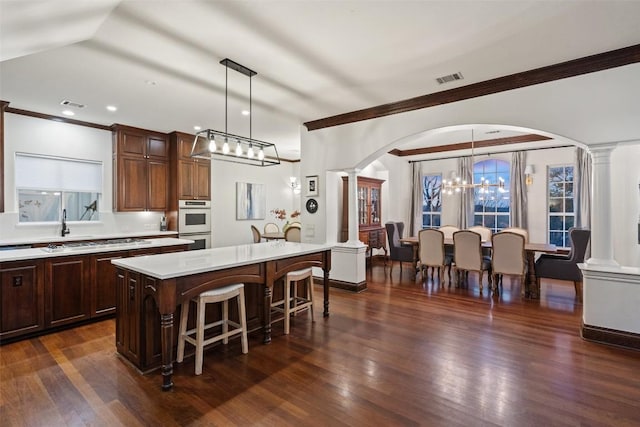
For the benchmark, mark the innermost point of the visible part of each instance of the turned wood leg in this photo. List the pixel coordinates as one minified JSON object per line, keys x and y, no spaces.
{"x":532,"y":287}
{"x":325,"y":287}
{"x":166,"y":339}
{"x":267,"y":315}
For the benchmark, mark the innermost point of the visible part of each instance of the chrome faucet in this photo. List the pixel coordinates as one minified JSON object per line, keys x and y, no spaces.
{"x":65,"y":229}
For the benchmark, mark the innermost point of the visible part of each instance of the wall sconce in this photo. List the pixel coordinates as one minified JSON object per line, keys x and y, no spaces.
{"x":528,"y":172}
{"x":294,"y":184}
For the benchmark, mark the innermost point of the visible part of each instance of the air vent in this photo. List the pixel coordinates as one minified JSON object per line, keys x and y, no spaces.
{"x":71,"y":104}
{"x":492,"y":131}
{"x":449,"y":78}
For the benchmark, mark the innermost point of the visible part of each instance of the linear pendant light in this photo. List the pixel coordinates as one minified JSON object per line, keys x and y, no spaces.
{"x":217,"y":145}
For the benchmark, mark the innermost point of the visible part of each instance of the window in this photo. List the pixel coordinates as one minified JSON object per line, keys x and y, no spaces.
{"x":561,"y":213}
{"x":47,"y":185}
{"x":491,"y":204}
{"x":431,"y":200}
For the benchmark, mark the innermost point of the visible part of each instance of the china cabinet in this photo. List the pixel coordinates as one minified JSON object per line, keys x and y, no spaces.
{"x":370,"y":229}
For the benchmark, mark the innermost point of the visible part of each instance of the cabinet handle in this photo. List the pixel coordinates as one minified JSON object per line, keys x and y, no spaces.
{"x":132,"y":292}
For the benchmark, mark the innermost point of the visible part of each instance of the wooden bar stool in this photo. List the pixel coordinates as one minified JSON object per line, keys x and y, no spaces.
{"x":290,"y":305}
{"x":222,"y":295}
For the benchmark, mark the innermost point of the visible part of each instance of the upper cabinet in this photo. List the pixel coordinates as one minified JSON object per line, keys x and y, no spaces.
{"x":140,"y":170}
{"x":190,"y":178}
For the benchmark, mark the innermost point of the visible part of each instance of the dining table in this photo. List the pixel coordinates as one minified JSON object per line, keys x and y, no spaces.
{"x":531,"y":290}
{"x":277,"y":235}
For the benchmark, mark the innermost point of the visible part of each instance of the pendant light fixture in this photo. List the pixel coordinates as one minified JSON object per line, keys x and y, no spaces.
{"x":456,"y":184}
{"x":207,"y":141}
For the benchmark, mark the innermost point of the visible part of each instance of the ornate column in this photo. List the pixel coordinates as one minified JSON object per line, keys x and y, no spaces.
{"x":601,"y":208}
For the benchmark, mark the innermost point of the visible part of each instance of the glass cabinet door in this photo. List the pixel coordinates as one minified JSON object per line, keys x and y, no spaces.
{"x":375,"y":206}
{"x":363,"y":211}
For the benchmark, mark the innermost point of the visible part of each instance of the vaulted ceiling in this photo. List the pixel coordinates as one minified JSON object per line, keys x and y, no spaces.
{"x":158,"y":61}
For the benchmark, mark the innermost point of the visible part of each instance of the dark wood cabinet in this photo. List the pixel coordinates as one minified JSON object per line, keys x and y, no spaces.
{"x":370,"y":229}
{"x":191,"y":178}
{"x":103,"y":283}
{"x":140,"y":170}
{"x":41,"y":295}
{"x":21,"y":298}
{"x":67,"y":290}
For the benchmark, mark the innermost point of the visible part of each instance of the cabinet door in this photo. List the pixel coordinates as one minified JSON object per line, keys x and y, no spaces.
{"x":128,"y":315}
{"x":22,"y":297}
{"x":157,"y":147}
{"x":132,"y":143}
{"x":132,"y":184}
{"x":186,"y":179}
{"x":374,"y":218}
{"x":202,"y":180}
{"x":67,"y":290}
{"x":103,"y":296}
{"x":158,"y":185}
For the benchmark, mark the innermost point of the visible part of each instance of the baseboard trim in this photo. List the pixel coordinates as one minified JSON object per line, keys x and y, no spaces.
{"x":628,"y":340}
{"x":348,"y":286}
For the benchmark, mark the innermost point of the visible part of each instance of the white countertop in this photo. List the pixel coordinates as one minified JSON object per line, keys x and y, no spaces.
{"x":37,"y":253}
{"x":178,"y":264}
{"x":72,"y":238}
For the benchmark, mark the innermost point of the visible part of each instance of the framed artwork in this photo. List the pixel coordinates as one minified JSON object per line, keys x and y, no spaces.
{"x":311,"y":186}
{"x":250,"y":201}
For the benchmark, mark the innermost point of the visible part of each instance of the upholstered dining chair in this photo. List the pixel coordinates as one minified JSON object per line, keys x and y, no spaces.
{"x":565,"y":267}
{"x":293,"y":234}
{"x":484,"y":232}
{"x":431,"y":253}
{"x":517,"y":230}
{"x":256,"y":234}
{"x":271,"y":227}
{"x":397,"y":251}
{"x":467,"y":256}
{"x":448,"y":231}
{"x":508,"y":257}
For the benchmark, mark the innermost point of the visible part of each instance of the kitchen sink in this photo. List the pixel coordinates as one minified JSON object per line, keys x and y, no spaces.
{"x":75,"y":246}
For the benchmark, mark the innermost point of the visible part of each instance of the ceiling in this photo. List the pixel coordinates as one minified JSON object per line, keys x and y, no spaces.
{"x":158,"y":61}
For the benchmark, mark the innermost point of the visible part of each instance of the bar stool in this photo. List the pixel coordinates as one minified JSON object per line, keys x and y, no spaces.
{"x":222,"y":295}
{"x":289,"y":305}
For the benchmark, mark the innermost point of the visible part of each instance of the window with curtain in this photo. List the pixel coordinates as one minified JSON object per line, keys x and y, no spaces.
{"x":561,"y":207}
{"x":431,"y":200}
{"x":47,"y":185}
{"x":491,"y":206}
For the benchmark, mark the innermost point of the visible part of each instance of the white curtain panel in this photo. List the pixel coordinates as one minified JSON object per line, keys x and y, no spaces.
{"x":582,"y":179}
{"x":465,"y":172}
{"x":518,"y":190}
{"x":416,"y":199}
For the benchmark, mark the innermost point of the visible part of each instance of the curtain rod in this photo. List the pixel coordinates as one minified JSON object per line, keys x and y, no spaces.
{"x":493,"y":152}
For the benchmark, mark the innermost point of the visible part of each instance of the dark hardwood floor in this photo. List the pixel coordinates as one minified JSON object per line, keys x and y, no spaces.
{"x":401,"y":353}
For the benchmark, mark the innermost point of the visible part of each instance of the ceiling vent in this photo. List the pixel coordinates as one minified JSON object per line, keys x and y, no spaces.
{"x":71,"y":104}
{"x":449,"y":78}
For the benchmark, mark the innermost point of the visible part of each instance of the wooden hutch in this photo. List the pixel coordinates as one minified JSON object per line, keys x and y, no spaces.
{"x":370,"y":229}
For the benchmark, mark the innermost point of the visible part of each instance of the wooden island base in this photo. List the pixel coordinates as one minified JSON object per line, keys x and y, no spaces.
{"x":146,"y":304}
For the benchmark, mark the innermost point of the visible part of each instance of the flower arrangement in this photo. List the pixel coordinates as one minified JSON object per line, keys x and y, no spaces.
{"x":281,"y":214}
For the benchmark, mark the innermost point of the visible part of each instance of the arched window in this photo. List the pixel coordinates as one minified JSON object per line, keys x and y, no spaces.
{"x":491,"y":204}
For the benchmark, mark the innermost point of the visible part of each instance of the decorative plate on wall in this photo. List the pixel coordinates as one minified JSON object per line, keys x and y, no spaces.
{"x":312,"y":206}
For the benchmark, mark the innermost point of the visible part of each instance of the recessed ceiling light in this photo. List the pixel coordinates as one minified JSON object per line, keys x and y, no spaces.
{"x":197,"y":128}
{"x":245,"y":112}
{"x":150,"y":82}
{"x":112,"y":108}
{"x":68,"y":113}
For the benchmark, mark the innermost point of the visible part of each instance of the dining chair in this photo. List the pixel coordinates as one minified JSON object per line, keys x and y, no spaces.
{"x":467,"y":248}
{"x":508,"y":257}
{"x":256,"y":234}
{"x":448,"y":231}
{"x":397,"y":251}
{"x":271,"y":227}
{"x":292,"y":234}
{"x":431,"y":253}
{"x":517,"y":230}
{"x":484,"y":232}
{"x":565,"y":267}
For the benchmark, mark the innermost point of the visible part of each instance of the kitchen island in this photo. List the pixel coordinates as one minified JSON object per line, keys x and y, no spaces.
{"x":171,"y":279}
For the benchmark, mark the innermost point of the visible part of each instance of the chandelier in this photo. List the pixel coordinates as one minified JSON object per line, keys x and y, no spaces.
{"x":457,"y":184}
{"x":217,"y":145}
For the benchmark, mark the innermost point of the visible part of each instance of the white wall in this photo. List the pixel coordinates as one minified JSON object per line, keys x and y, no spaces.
{"x":226,"y":230}
{"x":625,"y":197}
